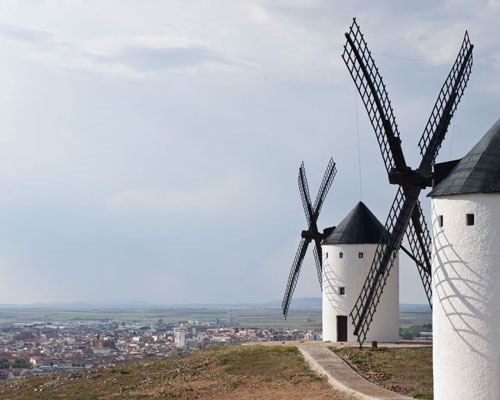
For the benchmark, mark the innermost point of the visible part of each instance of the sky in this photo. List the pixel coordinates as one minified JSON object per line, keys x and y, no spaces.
{"x":149,"y":149}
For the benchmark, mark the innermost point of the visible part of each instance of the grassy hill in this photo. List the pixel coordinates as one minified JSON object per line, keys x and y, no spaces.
{"x":403,"y":370}
{"x":228,"y":372}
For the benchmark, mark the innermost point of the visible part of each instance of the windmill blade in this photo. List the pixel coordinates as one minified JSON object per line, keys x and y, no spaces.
{"x":326,"y":183}
{"x":446,"y":104}
{"x":311,"y":233}
{"x":294,"y":275}
{"x":395,"y":227}
{"x":318,"y":256}
{"x":372,"y":90}
{"x":419,"y":240}
{"x":304,"y":193}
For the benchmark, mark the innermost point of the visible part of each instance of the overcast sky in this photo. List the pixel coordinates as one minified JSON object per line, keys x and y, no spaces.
{"x":149,"y":149}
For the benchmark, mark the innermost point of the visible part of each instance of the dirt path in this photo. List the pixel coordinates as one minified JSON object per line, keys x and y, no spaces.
{"x":341,"y":376}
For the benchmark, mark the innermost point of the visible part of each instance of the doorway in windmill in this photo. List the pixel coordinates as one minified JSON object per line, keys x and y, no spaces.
{"x":341,"y":328}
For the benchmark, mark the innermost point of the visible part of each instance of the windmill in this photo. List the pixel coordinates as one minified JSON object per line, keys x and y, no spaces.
{"x":465,"y":210}
{"x":405,"y":215}
{"x":312,"y":233}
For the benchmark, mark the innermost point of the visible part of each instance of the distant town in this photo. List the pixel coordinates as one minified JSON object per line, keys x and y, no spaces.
{"x":41,"y":340}
{"x":35,"y":347}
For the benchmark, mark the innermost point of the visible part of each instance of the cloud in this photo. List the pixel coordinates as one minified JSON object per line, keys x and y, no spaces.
{"x":25,"y":35}
{"x":125,"y":56}
{"x":258,"y":13}
{"x":207,"y":201}
{"x":144,"y":59}
{"x":224,"y":196}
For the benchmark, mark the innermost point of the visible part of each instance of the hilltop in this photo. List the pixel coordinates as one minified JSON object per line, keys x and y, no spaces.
{"x":227,"y":372}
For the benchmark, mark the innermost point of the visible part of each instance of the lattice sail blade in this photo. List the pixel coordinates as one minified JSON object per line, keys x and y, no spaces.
{"x":373,"y":92}
{"x":319,"y":264}
{"x":419,"y":240}
{"x":312,"y":232}
{"x":449,"y":96}
{"x":304,"y":194}
{"x":326,"y":183}
{"x":373,"y":287}
{"x":294,"y":275}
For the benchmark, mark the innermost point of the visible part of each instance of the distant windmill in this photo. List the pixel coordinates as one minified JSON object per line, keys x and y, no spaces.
{"x":312,"y":233}
{"x":405,"y":216}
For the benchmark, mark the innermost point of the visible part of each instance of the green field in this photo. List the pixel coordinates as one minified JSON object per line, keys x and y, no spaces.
{"x":415,"y":315}
{"x":300,"y":318}
{"x":245,"y":317}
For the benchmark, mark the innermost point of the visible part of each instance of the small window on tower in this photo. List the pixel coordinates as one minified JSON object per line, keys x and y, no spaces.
{"x":326,"y":255}
{"x":341,"y":255}
{"x":341,"y":290}
{"x":440,"y":221}
{"x":470,"y":219}
{"x":360,"y":254}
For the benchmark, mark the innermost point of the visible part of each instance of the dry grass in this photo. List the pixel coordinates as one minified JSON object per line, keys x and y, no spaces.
{"x":403,"y":370}
{"x":243,"y":372}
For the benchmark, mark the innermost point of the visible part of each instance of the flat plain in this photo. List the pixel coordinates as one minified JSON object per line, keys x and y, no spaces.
{"x":244,"y":316}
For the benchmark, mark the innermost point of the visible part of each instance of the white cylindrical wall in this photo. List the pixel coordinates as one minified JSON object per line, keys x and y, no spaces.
{"x":350,"y":272}
{"x":466,"y":297}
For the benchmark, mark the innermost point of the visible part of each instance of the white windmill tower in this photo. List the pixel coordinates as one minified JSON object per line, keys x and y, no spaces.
{"x":348,"y":251}
{"x":466,"y":275}
{"x":343,"y":257}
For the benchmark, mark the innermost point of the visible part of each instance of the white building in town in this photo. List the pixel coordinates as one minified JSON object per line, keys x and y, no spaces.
{"x":180,"y":337}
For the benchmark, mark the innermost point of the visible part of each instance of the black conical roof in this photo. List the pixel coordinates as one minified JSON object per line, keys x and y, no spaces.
{"x":478,"y":171}
{"x":359,"y":226}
